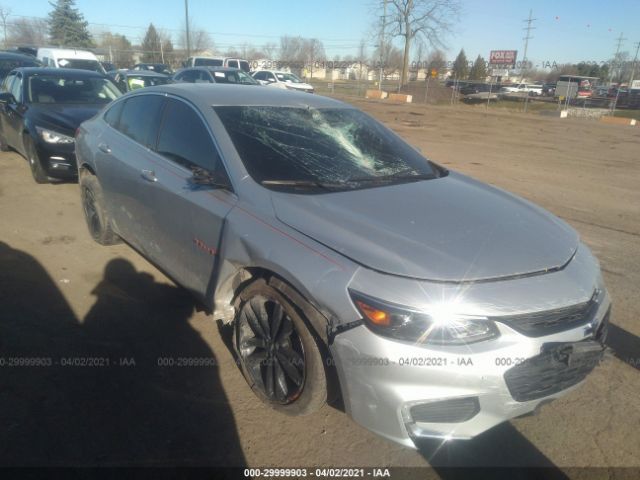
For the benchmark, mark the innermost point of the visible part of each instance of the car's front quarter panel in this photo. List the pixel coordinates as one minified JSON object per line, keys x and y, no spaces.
{"x":382,"y":378}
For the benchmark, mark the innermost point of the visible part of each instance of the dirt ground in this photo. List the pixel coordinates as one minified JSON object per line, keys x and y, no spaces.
{"x":62,"y":296}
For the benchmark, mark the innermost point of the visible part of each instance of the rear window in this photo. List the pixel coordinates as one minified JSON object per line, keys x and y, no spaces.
{"x":333,"y":145}
{"x":207,"y":62}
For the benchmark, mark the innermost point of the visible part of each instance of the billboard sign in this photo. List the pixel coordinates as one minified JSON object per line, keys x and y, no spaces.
{"x":503,"y":58}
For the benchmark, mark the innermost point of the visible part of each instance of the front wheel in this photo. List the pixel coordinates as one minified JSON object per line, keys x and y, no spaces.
{"x":278,"y":353}
{"x":37,"y":170}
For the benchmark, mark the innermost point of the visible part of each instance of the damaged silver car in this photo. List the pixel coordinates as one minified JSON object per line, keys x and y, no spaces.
{"x":344,"y":260}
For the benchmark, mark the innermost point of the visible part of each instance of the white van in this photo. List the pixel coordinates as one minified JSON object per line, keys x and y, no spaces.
{"x":217,"y":62}
{"x":69,"y":58}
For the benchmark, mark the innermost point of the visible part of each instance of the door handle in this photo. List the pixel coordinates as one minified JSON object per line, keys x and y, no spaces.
{"x":103,"y":147}
{"x":149,"y":175}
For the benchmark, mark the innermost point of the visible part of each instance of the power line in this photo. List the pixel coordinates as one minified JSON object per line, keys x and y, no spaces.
{"x":615,"y":57}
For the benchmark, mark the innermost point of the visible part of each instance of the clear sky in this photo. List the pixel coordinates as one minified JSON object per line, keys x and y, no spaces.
{"x":566,"y":30}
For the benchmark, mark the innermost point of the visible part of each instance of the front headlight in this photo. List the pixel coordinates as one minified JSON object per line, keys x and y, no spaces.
{"x":50,"y":136}
{"x":439,"y":326}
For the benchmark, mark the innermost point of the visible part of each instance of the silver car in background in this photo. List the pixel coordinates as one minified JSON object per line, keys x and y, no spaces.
{"x":346,"y":262}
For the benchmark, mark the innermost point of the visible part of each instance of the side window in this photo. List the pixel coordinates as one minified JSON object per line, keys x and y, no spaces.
{"x":189,"y":76}
{"x":140,"y":118}
{"x":185,"y":139}
{"x":234,"y":64}
{"x":202,"y":77}
{"x":112,"y":116}
{"x":270,"y":77}
{"x":16,"y":88}
{"x":259,"y":76}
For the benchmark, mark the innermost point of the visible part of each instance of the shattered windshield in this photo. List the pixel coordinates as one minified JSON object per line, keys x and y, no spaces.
{"x":333,"y":148}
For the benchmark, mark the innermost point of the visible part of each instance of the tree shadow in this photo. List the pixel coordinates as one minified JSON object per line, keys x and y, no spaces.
{"x":134,"y":384}
{"x":502,"y":452}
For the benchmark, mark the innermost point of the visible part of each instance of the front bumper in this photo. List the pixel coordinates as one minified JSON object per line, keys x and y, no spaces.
{"x":59,"y":161}
{"x":404,"y":392}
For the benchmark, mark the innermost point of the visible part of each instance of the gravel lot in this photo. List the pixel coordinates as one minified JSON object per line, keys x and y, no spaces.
{"x":63,"y":296}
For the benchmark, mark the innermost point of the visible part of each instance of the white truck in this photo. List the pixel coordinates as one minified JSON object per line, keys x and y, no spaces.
{"x":69,"y":58}
{"x":528,"y":88}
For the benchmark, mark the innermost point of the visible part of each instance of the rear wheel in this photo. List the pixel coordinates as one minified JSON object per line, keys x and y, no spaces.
{"x":98,"y":221}
{"x":278,"y":354}
{"x":37,"y":170}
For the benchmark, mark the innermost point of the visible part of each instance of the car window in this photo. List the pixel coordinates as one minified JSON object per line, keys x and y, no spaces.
{"x":244,"y":65}
{"x":189,"y":76}
{"x":140,"y":118}
{"x":112,"y":115}
{"x":333,"y":145}
{"x":233,"y":63}
{"x":6,"y":83}
{"x":61,"y":88}
{"x":184,"y":138}
{"x":259,"y":76}
{"x":202,"y":77}
{"x":269,"y":77}
{"x":16,"y":88}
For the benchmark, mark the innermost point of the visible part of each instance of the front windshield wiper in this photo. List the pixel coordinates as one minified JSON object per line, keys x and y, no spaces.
{"x":304,"y":184}
{"x":393,"y":177}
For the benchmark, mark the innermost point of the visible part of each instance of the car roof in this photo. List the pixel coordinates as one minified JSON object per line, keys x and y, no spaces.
{"x":143,"y":73}
{"x":67,"y":72}
{"x":18,"y":56}
{"x":212,"y":68}
{"x":205,"y":95}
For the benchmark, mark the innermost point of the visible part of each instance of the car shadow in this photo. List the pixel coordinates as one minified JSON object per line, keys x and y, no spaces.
{"x":625,"y":345}
{"x":132,"y":385}
{"x":501,"y":452}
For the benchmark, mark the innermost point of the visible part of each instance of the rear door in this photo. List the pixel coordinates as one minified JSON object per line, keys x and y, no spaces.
{"x":188,"y":220}
{"x":124,"y":163}
{"x":14,"y":115}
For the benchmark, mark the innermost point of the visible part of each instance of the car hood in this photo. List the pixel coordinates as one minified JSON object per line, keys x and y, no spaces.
{"x":299,"y":86}
{"x":448,"y":229}
{"x":66,"y":117}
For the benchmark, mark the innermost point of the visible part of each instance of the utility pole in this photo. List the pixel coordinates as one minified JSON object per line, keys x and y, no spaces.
{"x":186,"y":23}
{"x":529,"y":21}
{"x":633,"y":68}
{"x":615,"y":57}
{"x":384,"y":24}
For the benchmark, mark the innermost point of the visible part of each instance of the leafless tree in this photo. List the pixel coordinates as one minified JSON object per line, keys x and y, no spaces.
{"x":269,"y":50}
{"x":200,"y":39}
{"x":28,"y":31}
{"x":4,"y":14}
{"x":428,"y":20}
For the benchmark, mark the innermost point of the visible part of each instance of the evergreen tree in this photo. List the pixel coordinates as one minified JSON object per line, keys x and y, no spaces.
{"x":151,"y":46}
{"x":67,"y":26}
{"x":478,"y":69}
{"x":460,"y":66}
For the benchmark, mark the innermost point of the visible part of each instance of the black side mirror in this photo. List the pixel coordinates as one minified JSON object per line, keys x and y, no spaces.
{"x":204,"y":178}
{"x":7,"y":97}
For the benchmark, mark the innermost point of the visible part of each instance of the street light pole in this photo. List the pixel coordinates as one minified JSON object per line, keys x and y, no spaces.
{"x":186,"y":20}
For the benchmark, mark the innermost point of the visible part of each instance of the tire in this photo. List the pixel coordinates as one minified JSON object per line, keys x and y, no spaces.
{"x":37,"y":170}
{"x":286,"y":369}
{"x":98,"y":221}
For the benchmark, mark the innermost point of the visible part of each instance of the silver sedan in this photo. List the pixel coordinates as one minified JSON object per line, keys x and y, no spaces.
{"x":346,"y":262}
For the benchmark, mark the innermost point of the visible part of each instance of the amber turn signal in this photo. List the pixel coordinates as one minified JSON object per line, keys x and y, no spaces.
{"x":378,"y":317}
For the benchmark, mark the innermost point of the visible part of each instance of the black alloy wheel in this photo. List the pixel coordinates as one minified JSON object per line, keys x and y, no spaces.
{"x":271,"y":349}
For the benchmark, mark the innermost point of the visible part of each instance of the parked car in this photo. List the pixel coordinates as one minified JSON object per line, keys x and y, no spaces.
{"x":301,"y":223}
{"x":284,"y":80}
{"x":10,"y":60}
{"x":549,"y":89}
{"x":108,"y":66}
{"x":40,"y":110}
{"x":531,"y":89}
{"x":217,"y":62}
{"x":479,"y":87}
{"x":154,"y":67}
{"x":214,"y":75}
{"x":69,"y":58}
{"x":129,"y":80}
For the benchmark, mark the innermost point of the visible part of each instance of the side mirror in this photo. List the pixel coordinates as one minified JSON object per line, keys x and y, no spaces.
{"x":201,"y":177}
{"x":6,"y":98}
